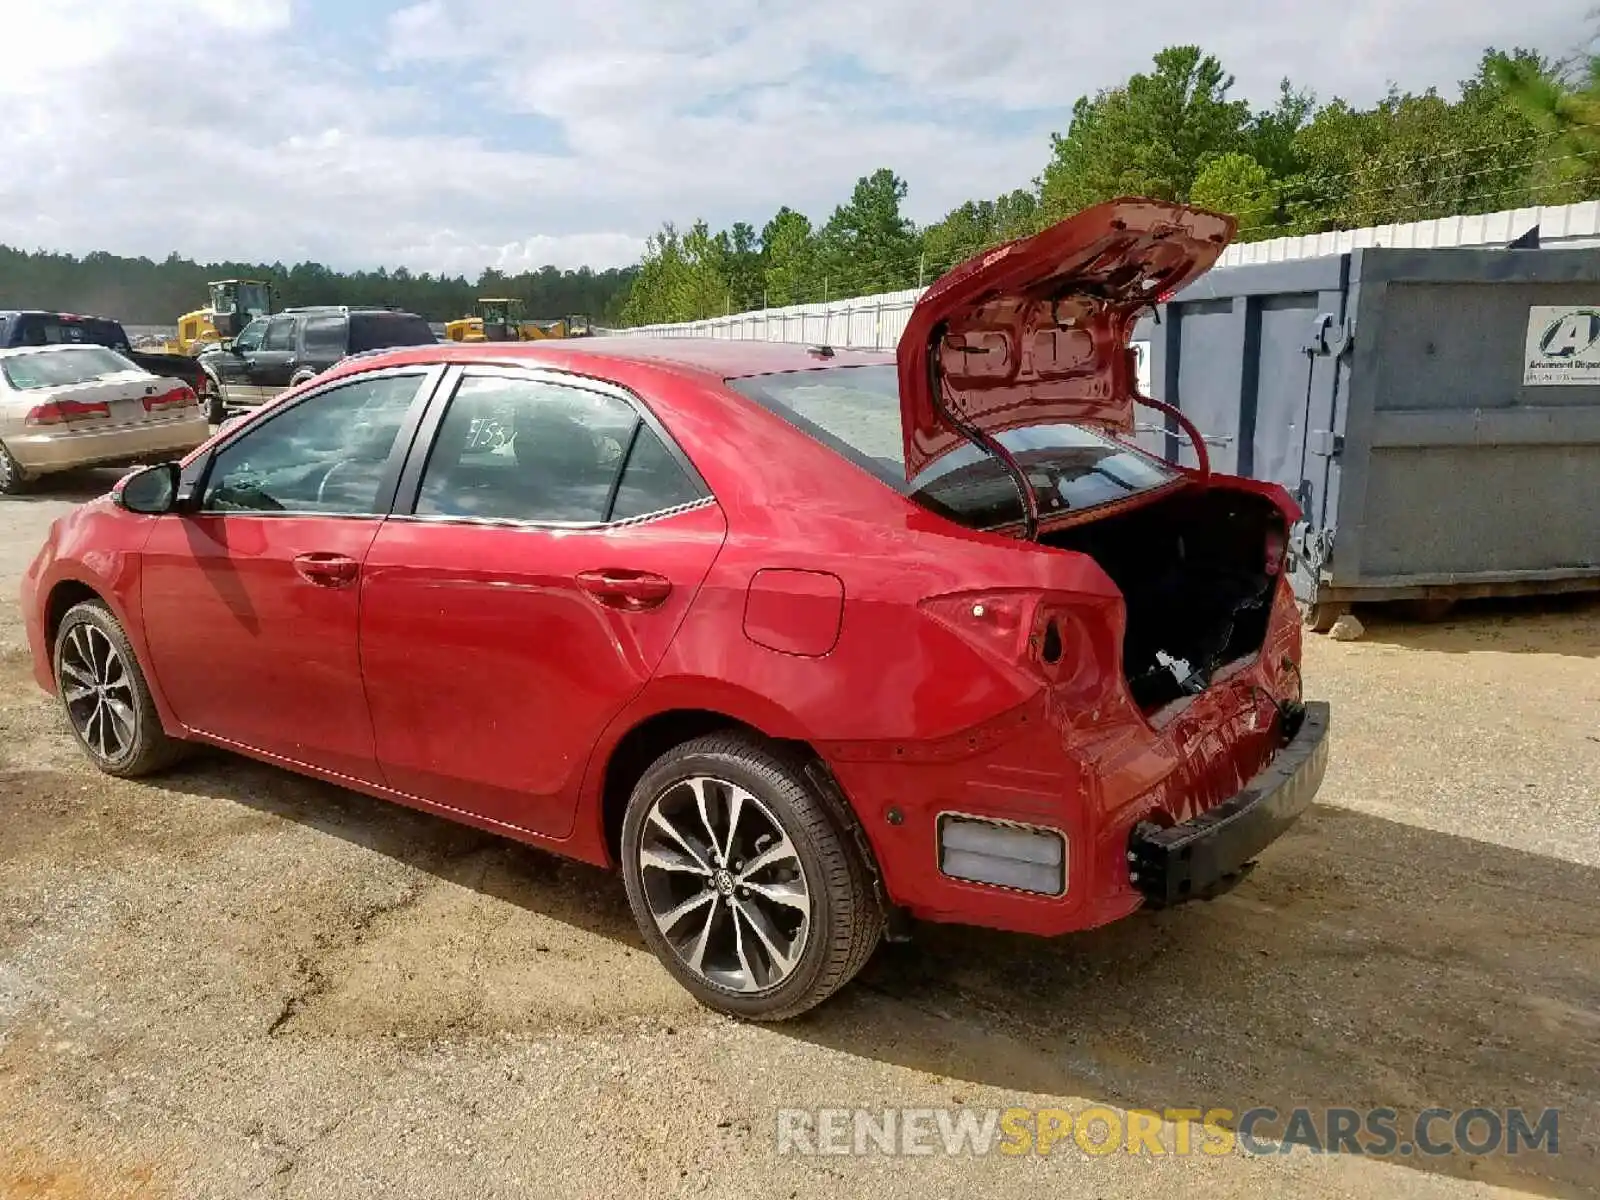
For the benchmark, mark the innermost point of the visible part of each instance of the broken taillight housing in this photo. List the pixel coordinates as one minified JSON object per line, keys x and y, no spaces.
{"x":1057,"y":638}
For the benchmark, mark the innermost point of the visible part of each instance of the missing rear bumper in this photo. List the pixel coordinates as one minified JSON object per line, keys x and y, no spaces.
{"x":1209,"y":855}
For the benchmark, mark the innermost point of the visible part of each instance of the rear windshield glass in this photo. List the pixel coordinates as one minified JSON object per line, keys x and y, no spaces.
{"x":62,"y":368}
{"x":379,"y":331}
{"x":856,"y":411}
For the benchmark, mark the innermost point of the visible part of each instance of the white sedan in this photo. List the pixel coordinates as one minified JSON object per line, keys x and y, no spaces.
{"x":79,"y":405}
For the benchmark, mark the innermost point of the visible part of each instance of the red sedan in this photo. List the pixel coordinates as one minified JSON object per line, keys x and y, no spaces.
{"x":808,"y":641}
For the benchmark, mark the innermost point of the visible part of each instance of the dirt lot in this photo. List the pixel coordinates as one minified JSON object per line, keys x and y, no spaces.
{"x":232,"y":982}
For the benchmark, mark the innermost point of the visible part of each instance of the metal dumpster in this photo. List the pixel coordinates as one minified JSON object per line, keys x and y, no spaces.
{"x":1436,"y":413}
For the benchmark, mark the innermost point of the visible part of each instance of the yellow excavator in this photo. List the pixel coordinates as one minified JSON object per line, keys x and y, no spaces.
{"x":502,"y":320}
{"x":566,"y":327}
{"x":197,"y":330}
{"x":497,"y":320}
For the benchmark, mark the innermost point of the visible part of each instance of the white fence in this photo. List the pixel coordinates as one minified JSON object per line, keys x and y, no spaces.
{"x":876,"y":322}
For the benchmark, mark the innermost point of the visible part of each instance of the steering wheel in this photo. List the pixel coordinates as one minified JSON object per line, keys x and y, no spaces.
{"x":329,"y":474}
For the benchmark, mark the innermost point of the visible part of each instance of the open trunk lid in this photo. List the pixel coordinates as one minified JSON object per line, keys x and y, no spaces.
{"x":1036,"y":331}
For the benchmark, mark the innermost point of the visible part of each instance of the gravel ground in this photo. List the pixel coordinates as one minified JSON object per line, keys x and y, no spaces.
{"x":233,"y":982}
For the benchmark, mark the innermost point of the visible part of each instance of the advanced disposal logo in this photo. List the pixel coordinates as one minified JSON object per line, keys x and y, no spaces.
{"x":1563,"y":347}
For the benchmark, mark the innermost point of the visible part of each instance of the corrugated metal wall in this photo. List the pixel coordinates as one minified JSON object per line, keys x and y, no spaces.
{"x":876,"y":322}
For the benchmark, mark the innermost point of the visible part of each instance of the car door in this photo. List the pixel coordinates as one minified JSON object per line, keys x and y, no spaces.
{"x":547,"y":542}
{"x":231,"y":365}
{"x":251,"y":600}
{"x":271,"y":367}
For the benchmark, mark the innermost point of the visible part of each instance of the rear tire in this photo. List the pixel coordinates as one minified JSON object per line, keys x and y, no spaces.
{"x":13,"y":479}
{"x":742,"y":881}
{"x":302,"y":377}
{"x":105,"y":696}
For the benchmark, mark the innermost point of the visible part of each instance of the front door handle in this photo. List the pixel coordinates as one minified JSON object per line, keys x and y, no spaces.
{"x":631,"y":591}
{"x":327,"y":570}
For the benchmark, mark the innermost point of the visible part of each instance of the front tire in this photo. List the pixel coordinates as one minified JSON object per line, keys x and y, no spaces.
{"x":742,"y":881}
{"x":211,"y":401}
{"x":105,"y":696}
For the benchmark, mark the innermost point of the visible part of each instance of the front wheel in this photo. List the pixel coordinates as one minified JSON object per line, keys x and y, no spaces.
{"x":106,"y":698}
{"x":211,"y":402}
{"x":742,"y":881}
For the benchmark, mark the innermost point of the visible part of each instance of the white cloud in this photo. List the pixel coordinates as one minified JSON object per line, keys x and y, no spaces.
{"x":237,"y":133}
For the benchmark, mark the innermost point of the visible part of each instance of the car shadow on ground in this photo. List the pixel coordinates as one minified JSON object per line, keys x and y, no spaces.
{"x":1564,"y":624}
{"x":577,"y":894}
{"x":1366,"y":964}
{"x":71,"y":487}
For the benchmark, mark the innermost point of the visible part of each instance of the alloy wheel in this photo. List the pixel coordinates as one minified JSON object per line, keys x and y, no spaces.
{"x":98,"y":691}
{"x":724,"y":884}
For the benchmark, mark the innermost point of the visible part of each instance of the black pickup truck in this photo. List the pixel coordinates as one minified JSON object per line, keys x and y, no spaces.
{"x":34,"y":327}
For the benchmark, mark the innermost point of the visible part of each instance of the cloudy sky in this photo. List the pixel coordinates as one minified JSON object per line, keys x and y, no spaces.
{"x":457,"y":134}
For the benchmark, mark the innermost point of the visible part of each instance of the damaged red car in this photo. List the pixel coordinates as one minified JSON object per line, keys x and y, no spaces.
{"x":807,"y":641}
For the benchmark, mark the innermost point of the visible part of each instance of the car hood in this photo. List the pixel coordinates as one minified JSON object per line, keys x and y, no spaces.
{"x":1036,"y":331}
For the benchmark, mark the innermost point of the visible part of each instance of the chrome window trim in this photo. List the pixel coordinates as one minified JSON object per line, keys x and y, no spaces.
{"x":554,"y":526}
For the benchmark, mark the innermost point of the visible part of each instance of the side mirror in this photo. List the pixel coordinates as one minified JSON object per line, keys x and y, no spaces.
{"x":152,"y":491}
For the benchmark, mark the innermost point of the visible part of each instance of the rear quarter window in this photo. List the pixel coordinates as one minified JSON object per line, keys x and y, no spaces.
{"x":379,"y":331}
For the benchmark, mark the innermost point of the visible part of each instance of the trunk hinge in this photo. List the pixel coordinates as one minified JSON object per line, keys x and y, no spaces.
{"x":1202,"y":456}
{"x":980,"y":439}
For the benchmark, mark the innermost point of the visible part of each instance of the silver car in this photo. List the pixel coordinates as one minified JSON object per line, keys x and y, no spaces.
{"x":79,"y":405}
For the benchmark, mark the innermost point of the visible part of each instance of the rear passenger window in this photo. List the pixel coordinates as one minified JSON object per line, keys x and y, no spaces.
{"x":652,"y":480}
{"x":280,"y":334}
{"x":324,"y":336}
{"x":525,"y":450}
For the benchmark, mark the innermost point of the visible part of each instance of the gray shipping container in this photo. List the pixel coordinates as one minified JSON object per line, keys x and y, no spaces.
{"x":1391,"y":392}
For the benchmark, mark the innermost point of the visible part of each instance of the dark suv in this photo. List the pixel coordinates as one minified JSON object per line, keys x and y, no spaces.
{"x":287,"y":348}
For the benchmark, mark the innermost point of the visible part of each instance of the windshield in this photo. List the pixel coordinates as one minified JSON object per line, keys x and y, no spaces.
{"x":248,"y":298}
{"x":856,"y":412}
{"x":62,"y":368}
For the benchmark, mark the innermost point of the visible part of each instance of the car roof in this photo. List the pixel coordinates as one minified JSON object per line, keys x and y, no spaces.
{"x":714,"y":358}
{"x":53,"y":312}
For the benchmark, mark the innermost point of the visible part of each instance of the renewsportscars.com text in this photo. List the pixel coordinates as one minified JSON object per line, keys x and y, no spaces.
{"x":1100,"y":1130}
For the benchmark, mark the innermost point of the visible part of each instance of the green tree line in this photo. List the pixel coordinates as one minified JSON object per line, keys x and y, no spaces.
{"x":139,"y":291}
{"x":1524,"y":130}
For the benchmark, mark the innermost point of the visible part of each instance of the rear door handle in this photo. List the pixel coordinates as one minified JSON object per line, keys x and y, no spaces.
{"x":327,"y":570}
{"x":631,"y":591}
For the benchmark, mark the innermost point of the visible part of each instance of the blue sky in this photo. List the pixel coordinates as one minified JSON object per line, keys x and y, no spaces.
{"x":470,"y":133}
